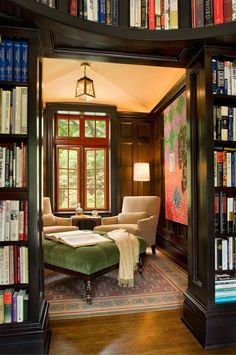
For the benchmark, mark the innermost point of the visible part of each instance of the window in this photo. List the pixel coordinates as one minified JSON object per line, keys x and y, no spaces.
{"x":82,"y":149}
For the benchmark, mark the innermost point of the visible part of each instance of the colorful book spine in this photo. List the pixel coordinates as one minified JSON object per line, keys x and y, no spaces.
{"x":73,"y":8}
{"x":8,"y":305}
{"x":227,"y":10}
{"x":218,"y":12}
{"x":151,"y":15}
{"x":102,"y":11}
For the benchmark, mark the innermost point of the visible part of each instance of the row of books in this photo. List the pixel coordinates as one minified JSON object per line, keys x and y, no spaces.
{"x":224,"y":213}
{"x":225,"y":253}
{"x":13,"y":166}
{"x":154,"y":14}
{"x":223,"y":77}
{"x":13,"y":220}
{"x":224,"y":168}
{"x":49,"y":3}
{"x":14,"y":110}
{"x":14,"y":305}
{"x":224,"y":120}
{"x":212,"y":12}
{"x":13,"y":60}
{"x":101,"y":11}
{"x":14,"y":267}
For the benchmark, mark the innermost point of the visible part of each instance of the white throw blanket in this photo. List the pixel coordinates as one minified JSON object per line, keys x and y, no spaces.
{"x":128,"y":246}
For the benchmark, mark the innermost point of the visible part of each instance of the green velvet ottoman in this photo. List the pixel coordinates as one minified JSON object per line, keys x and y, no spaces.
{"x":85,"y":262}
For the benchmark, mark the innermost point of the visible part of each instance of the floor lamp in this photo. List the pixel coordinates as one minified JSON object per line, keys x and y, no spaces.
{"x":141,"y":173}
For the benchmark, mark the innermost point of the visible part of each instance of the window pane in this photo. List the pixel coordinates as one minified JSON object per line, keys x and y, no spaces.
{"x":63,"y":180}
{"x":74,"y":128}
{"x":63,"y":199}
{"x":89,"y":128}
{"x":90,"y":159}
{"x":72,"y":159}
{"x":73,"y":179}
{"x":101,"y":129}
{"x":100,"y":199}
{"x":62,"y":129}
{"x":72,"y":198}
{"x":63,"y":158}
{"x":100,"y":159}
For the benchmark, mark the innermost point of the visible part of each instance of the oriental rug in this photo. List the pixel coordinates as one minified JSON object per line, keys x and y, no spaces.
{"x":160,"y":287}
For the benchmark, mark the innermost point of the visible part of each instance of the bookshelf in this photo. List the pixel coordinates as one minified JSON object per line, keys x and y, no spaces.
{"x":209,"y":301}
{"x":23,"y":310}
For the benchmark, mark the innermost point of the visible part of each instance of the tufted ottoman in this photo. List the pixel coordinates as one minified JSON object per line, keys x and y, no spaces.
{"x":87,"y":262}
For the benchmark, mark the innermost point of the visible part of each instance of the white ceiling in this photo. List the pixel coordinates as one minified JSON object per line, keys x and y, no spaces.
{"x":135,"y":88}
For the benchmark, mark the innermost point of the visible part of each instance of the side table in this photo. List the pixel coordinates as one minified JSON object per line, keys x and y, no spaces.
{"x":86,"y":222}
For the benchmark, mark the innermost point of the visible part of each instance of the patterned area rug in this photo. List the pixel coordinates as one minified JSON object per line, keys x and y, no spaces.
{"x":159,"y":288}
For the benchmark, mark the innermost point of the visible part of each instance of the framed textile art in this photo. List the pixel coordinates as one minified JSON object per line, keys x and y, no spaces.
{"x":175,"y":150}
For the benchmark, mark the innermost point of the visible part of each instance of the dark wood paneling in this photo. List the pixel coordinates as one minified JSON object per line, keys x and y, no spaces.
{"x":126,"y":130}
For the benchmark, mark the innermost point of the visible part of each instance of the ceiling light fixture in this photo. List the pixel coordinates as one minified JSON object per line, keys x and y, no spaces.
{"x":85,"y":88}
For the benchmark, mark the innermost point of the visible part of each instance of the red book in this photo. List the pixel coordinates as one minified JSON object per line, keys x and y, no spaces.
{"x":218,"y":12}
{"x":162,"y":14}
{"x":151,"y":15}
{"x":15,"y":256}
{"x":227,"y":10}
{"x":73,"y":7}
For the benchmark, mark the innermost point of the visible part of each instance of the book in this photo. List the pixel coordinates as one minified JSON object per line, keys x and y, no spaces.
{"x":77,"y":238}
{"x":173,"y":14}
{"x":227,"y":10}
{"x":208,"y":12}
{"x":8,"y":305}
{"x":1,"y":307}
{"x":20,"y":305}
{"x":73,"y":8}
{"x":218,"y":12}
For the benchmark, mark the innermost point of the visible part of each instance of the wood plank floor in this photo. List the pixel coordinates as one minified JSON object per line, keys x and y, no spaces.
{"x":158,"y":333}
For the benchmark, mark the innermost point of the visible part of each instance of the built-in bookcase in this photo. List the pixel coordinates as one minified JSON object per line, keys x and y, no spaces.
{"x":209,"y":306}
{"x":224,"y":133}
{"x":23,"y":310}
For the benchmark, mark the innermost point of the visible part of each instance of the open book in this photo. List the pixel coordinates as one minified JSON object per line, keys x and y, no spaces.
{"x":77,"y":238}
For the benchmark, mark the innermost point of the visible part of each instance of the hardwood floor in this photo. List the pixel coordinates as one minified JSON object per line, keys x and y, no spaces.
{"x":158,"y":333}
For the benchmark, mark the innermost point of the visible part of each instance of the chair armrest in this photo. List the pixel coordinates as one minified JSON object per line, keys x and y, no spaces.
{"x":147,"y":228}
{"x":61,"y":221}
{"x":109,"y":220}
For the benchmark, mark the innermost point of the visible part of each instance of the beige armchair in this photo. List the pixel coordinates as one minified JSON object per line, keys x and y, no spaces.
{"x":53,"y":224}
{"x":139,"y":216}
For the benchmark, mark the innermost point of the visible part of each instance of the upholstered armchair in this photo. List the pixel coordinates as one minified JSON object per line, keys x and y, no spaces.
{"x":53,"y":224}
{"x":139,"y":216}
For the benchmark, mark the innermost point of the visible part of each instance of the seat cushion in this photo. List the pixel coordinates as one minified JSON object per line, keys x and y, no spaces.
{"x":131,"y":228}
{"x":57,"y":229}
{"x":86,"y":260}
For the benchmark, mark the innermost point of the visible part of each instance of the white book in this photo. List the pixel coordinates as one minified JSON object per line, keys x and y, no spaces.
{"x":90,"y":10}
{"x":158,"y":14}
{"x":78,"y":238}
{"x":132,"y":13}
{"x":7,"y":110}
{"x":7,"y":220}
{"x":1,"y":267}
{"x":95,"y":10}
{"x":233,"y":10}
{"x":224,"y":128}
{"x":230,"y":252}
{"x":234,"y":77}
{"x":24,"y":110}
{"x":14,"y":220}
{"x":20,"y":305}
{"x":17,"y":110}
{"x":19,"y":164}
{"x":224,"y":254}
{"x":166,"y":15}
{"x":2,"y":166}
{"x":137,"y":13}
{"x":2,"y":219}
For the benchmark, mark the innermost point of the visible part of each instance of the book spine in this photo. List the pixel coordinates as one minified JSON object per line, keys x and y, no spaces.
{"x":233,"y":10}
{"x":2,"y":61}
{"x":24,"y":60}
{"x":8,"y":306}
{"x":174,"y":14}
{"x":144,"y":13}
{"x":218,"y":12}
{"x":199,"y":13}
{"x":217,"y":212}
{"x":220,"y":77}
{"x":9,"y":60}
{"x":102,"y":11}
{"x":223,"y":212}
{"x":151,"y":15}
{"x":227,"y":10}
{"x":114,"y":11}
{"x":158,"y":14}
{"x":214,"y":76}
{"x":108,"y":12}
{"x":16,"y":61}
{"x":73,"y":8}
{"x":166,"y":15}
{"x":208,"y":13}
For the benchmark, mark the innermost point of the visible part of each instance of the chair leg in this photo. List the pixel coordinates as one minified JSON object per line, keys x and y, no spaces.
{"x":153,"y":249}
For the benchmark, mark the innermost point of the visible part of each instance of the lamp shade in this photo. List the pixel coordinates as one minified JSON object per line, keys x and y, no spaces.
{"x":141,"y":172}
